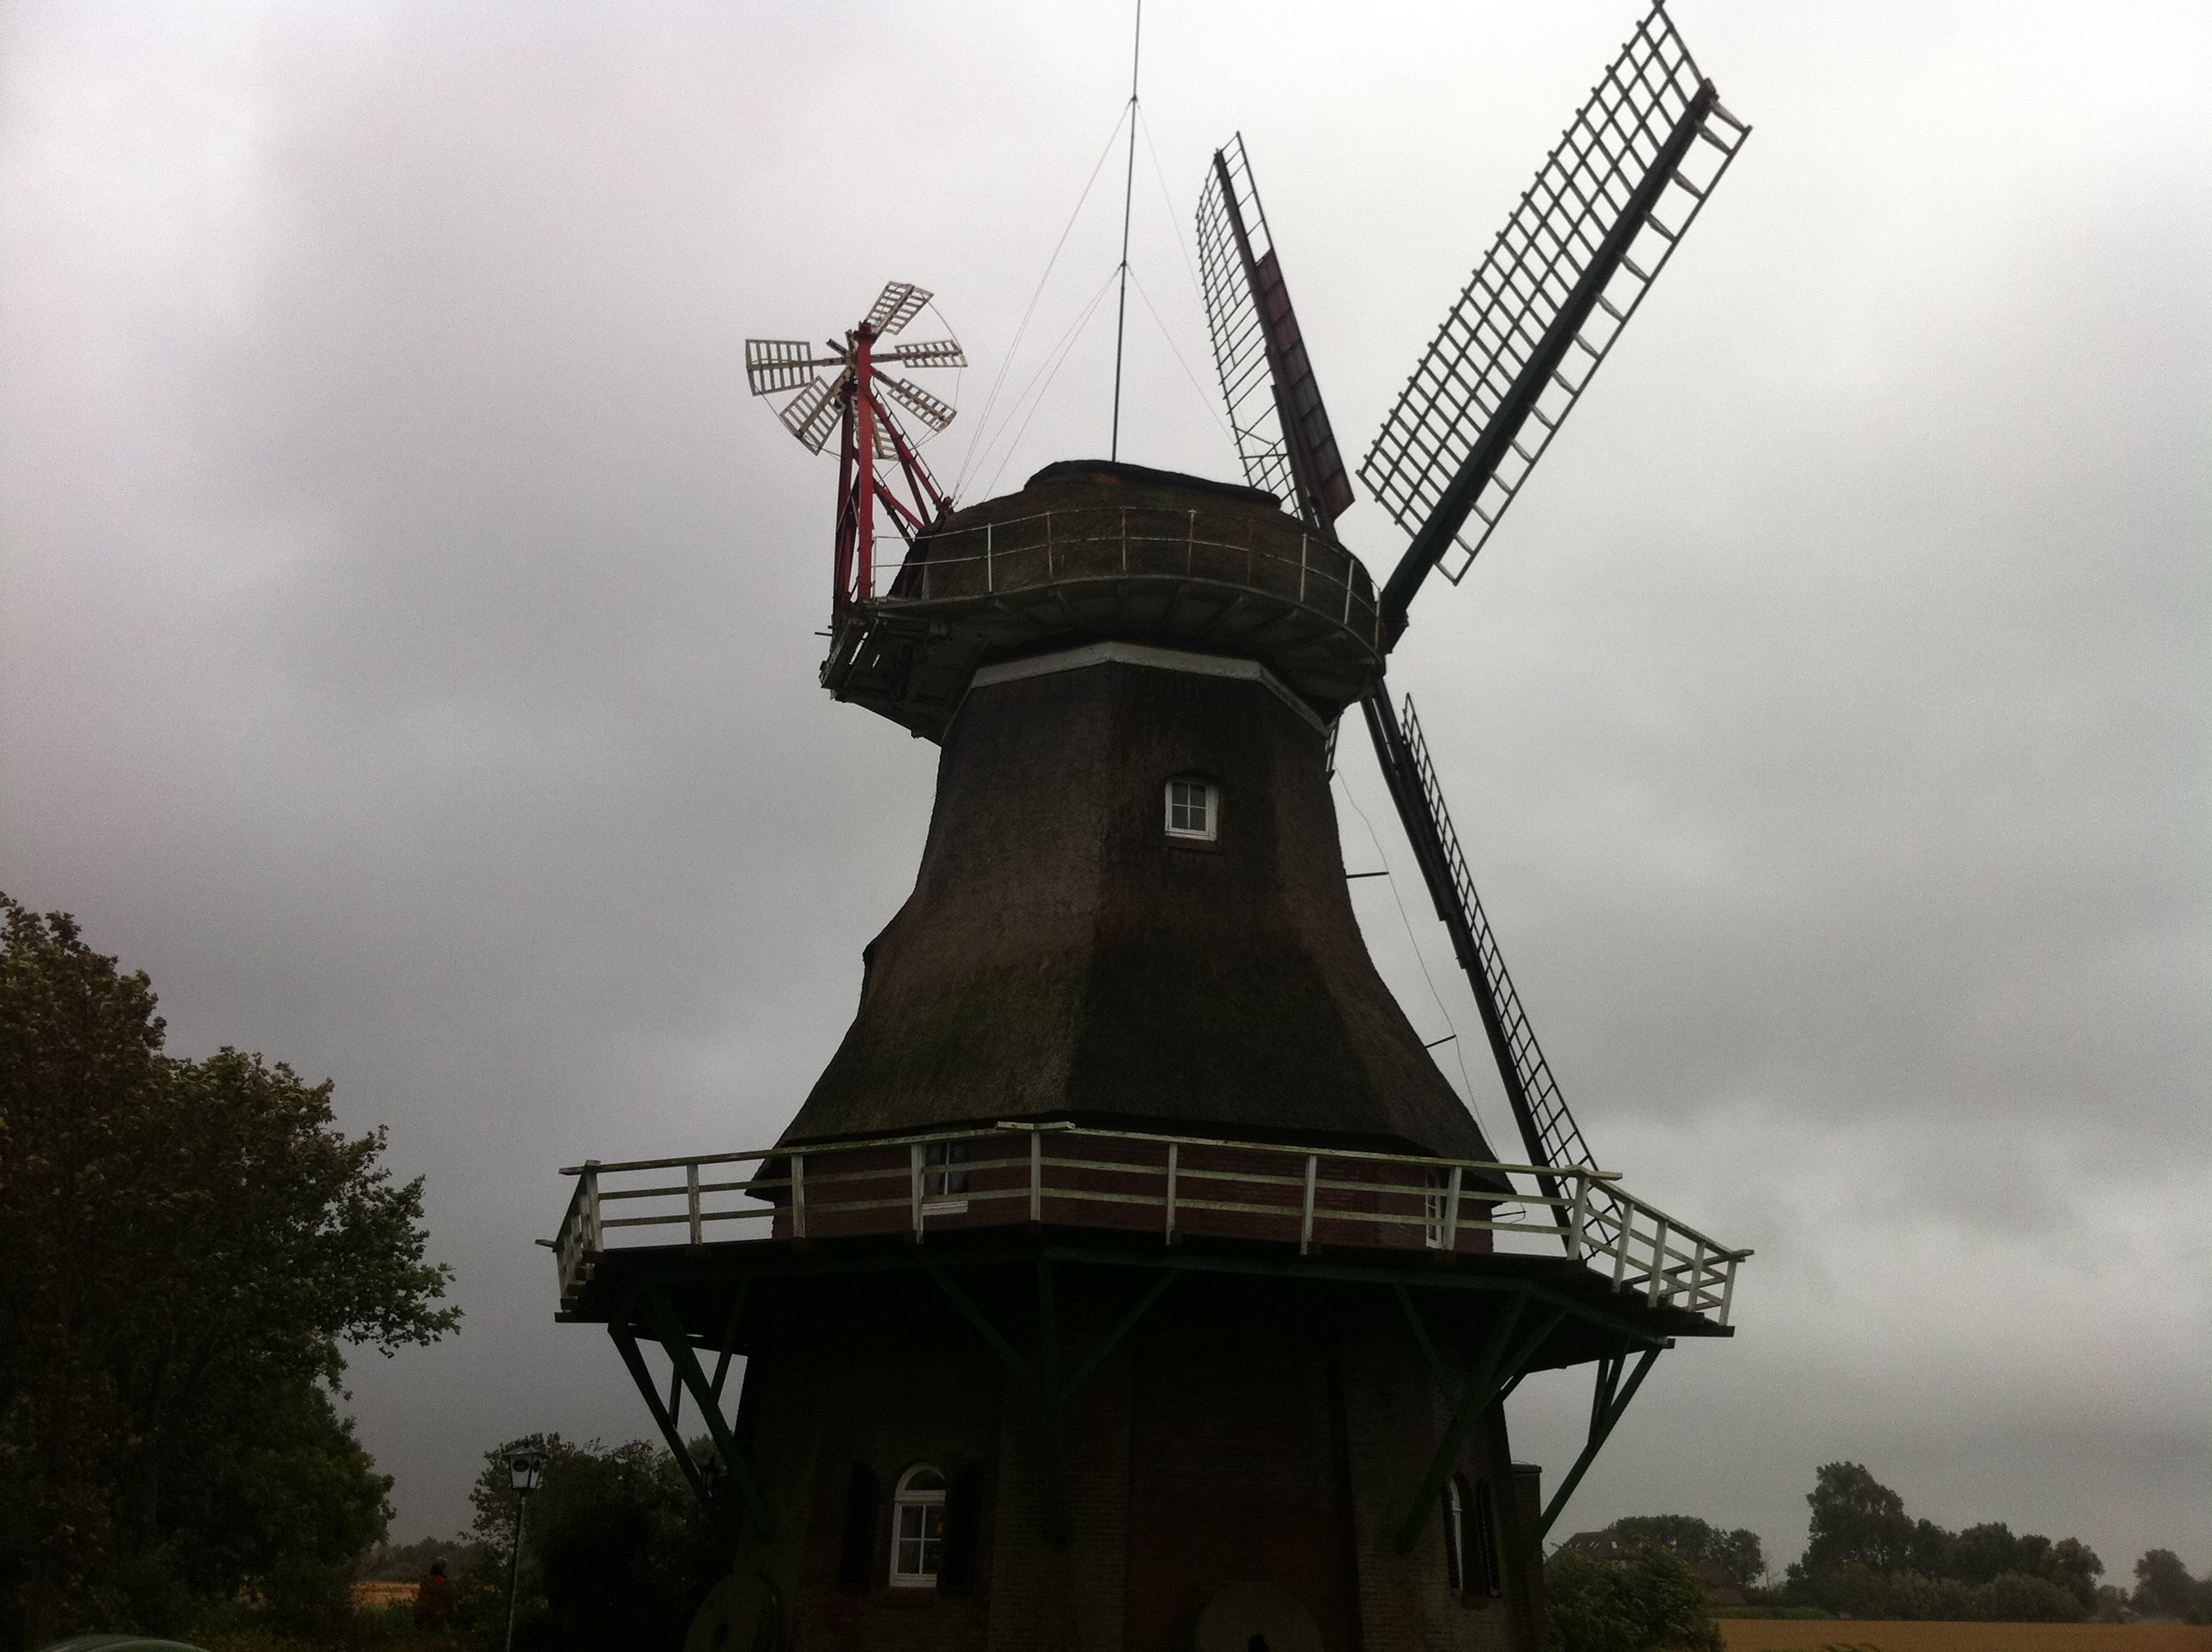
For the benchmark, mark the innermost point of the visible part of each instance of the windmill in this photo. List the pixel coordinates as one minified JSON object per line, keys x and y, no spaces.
{"x":1514,"y":354}
{"x":1131,"y":1275}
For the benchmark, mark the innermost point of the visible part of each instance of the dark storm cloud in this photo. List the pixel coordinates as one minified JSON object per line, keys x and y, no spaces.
{"x":408,"y":654}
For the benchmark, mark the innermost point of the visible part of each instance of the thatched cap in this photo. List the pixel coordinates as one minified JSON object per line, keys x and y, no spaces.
{"x":1063,"y":956}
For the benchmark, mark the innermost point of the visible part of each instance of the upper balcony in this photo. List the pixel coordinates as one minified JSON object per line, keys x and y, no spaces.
{"x":1091,"y":551}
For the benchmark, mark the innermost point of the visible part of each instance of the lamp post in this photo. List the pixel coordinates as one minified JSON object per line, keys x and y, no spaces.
{"x":525,"y":1463}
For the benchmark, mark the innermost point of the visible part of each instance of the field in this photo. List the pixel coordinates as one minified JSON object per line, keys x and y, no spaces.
{"x":376,"y":1592}
{"x":1775,"y":1635}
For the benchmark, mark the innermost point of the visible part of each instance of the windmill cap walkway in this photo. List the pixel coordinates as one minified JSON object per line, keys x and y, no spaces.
{"x":1090,"y":549}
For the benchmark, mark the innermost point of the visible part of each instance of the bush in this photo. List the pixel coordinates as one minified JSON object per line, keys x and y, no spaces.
{"x":1652,"y":1603}
{"x":1853,"y":1590}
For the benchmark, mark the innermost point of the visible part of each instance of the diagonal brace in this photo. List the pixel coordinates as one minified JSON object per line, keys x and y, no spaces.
{"x":626,"y":1344}
{"x":1043,"y":1380}
{"x":1500,"y":1362}
{"x":677,"y":1342}
{"x":1607,"y":1405}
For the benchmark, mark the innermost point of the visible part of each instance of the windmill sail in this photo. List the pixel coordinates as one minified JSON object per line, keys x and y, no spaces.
{"x":1549,"y":1134}
{"x":1282,"y":429}
{"x":1607,"y":209}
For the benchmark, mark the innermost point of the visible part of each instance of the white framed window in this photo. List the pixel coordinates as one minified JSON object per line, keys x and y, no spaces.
{"x":1193,"y":809}
{"x":944,"y":1178}
{"x":918,"y":1528}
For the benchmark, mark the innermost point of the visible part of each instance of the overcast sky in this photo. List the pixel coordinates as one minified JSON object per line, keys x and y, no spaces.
{"x":407,"y":633}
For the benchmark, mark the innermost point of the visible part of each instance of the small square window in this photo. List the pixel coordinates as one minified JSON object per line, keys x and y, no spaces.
{"x":1193,"y":809}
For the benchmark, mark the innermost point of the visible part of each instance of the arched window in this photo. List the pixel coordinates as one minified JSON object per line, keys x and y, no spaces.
{"x":1194,"y":808}
{"x":918,"y":1528}
{"x":1456,"y":1501}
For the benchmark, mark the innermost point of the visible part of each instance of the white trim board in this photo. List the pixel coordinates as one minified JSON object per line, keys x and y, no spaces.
{"x":1136,"y":653}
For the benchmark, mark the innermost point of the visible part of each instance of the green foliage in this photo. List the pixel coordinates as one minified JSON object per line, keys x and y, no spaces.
{"x":1851,"y":1590}
{"x":616,"y":1551}
{"x":1868,"y":1558}
{"x":1646,"y":1604}
{"x":1739,"y":1553}
{"x":1857,"y":1521}
{"x":2164,"y":1589}
{"x":191,"y":1245}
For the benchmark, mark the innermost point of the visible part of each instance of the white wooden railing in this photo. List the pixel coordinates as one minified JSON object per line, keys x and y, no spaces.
{"x":1134,"y":1181}
{"x":991,"y":557}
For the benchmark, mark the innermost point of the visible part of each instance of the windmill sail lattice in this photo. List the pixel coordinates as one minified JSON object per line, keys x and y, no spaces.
{"x":1557,"y":1139}
{"x":1545,"y":307}
{"x":1282,"y":429}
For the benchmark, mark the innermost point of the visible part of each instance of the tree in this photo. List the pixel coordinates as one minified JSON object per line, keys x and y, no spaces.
{"x":1738,"y":1553}
{"x":1855,"y":1518}
{"x":1867,"y":1558}
{"x":193,"y":1244}
{"x":1652,"y":1602}
{"x":617,"y":1551}
{"x":2164,"y":1589}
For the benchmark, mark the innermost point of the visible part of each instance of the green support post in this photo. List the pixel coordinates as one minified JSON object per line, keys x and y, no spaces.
{"x":677,"y":1342}
{"x":1501,"y":1360}
{"x":626,"y":1344}
{"x":1050,"y":1389}
{"x":1605,"y":1409}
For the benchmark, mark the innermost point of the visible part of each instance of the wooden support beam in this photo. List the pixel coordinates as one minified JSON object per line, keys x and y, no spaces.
{"x":676,"y":1342}
{"x":1500,"y":1361}
{"x":626,"y":1346}
{"x":1043,"y":1380}
{"x":1605,"y":1408}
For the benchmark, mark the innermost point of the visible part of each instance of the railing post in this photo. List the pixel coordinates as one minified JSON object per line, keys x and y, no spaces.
{"x":1624,"y":1224}
{"x":1302,"y":570}
{"x":1697,"y":1279}
{"x":988,"y":584}
{"x":1305,"y":1215}
{"x":914,"y":1184}
{"x":798,"y":1195}
{"x":1174,"y":1149}
{"x":594,"y":1234}
{"x":1451,"y":1208}
{"x":1037,"y":1177}
{"x":1190,"y":546}
{"x":1047,"y":544}
{"x":1124,"y":538}
{"x":691,"y":1194}
{"x":1577,"y":1217}
{"x":1658,"y":1261}
{"x":1728,"y":1288}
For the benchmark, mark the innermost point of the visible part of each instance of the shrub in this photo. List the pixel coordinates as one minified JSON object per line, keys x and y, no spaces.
{"x":1651,"y":1603}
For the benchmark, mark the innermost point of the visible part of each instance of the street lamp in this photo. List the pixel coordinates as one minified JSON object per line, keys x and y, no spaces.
{"x":525,"y":1463}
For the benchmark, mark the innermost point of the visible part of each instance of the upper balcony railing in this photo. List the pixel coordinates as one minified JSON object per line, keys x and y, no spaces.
{"x":1133,"y":541}
{"x":1134,"y":1182}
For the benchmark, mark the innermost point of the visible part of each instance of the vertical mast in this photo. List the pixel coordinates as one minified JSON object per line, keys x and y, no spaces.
{"x":1128,"y":186}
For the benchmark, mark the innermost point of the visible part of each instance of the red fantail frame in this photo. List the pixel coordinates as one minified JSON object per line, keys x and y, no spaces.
{"x":873,"y":434}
